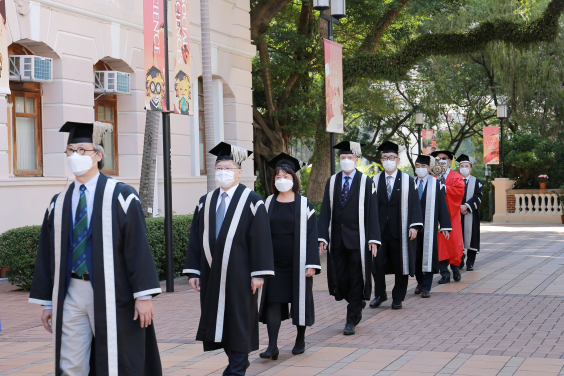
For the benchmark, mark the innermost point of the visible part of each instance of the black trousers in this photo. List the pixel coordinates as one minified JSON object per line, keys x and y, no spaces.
{"x":390,"y":251}
{"x":443,"y":266}
{"x":471,"y":257}
{"x":348,"y":266}
{"x":237,"y":363}
{"x":424,"y":279}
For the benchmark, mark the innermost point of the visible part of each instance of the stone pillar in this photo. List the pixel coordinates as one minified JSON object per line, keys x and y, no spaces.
{"x":501,"y":185}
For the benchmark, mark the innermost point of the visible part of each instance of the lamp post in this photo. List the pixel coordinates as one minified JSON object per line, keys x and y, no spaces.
{"x":419,"y":121}
{"x":338,"y":11}
{"x":501,"y":114}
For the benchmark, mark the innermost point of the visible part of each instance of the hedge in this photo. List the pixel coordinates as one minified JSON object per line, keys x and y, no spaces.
{"x":18,"y":248}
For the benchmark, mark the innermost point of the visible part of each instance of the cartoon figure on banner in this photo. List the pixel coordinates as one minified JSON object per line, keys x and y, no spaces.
{"x":183,"y":92}
{"x":155,"y":88}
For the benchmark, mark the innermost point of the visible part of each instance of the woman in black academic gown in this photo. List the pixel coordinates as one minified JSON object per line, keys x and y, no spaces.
{"x":293,"y":227}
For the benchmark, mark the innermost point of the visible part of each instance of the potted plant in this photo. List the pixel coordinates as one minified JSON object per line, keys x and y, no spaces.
{"x":560,"y":194}
{"x":543,"y":179}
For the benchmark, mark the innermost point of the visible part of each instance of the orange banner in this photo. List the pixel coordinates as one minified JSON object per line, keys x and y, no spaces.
{"x":429,"y":141}
{"x":334,"y":86}
{"x":182,"y":65}
{"x":154,"y":55}
{"x":491,"y":145}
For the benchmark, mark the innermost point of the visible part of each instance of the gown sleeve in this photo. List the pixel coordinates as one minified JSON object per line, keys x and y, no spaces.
{"x":324,"y":217}
{"x":312,"y":250}
{"x":42,"y":284}
{"x":139,"y":262}
{"x":260,"y":241}
{"x":192,"y":263}
{"x":476,"y":200}
{"x":444,"y":216}
{"x":373,"y":235}
{"x":415,"y":215}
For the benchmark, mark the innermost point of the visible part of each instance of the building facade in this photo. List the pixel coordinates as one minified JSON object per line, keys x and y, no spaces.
{"x":87,"y":36}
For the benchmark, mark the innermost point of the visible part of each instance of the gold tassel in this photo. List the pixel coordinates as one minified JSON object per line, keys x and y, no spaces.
{"x":452,"y":165}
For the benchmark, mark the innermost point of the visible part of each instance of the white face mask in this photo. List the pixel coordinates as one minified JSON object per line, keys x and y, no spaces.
{"x":284,"y":185}
{"x":225,"y":178}
{"x":421,"y":172}
{"x":465,"y":171}
{"x":80,"y":164}
{"x":347,"y":165}
{"x":389,"y":165}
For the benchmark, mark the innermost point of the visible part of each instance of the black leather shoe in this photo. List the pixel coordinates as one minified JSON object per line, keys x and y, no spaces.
{"x":377,"y":301}
{"x":444,"y":280}
{"x":457,"y":277}
{"x":396,"y":304}
{"x":349,"y":330}
{"x":270,"y":354}
{"x":425,"y":294}
{"x":362,"y":306}
{"x":462,"y":262}
{"x":299,"y":348}
{"x":469,"y":267}
{"x":418,"y":289}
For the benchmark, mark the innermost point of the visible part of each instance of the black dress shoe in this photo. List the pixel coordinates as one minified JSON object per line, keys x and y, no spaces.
{"x":457,"y":277}
{"x":396,"y":304}
{"x":359,"y":317}
{"x":462,"y":262}
{"x":418,"y":289}
{"x":444,"y":280}
{"x":270,"y":354}
{"x":377,"y":301}
{"x":425,"y":294}
{"x":298,"y":348}
{"x":469,"y":267}
{"x":349,"y":329}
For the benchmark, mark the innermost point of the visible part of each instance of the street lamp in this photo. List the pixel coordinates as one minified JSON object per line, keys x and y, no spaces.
{"x":501,"y":114}
{"x":338,"y":8}
{"x":419,"y":121}
{"x":320,"y":5}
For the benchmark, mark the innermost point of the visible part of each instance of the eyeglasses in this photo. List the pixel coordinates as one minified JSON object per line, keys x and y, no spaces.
{"x":80,"y":151}
{"x":444,"y":159}
{"x":155,"y":88}
{"x":389,"y":158}
{"x":228,"y":168}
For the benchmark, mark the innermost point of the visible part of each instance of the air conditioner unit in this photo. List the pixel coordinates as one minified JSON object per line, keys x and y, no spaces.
{"x":31,"y":68}
{"x":111,"y":82}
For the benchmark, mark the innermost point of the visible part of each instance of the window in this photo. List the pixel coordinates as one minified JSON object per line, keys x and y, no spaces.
{"x":105,"y":110}
{"x":202,"y":125}
{"x":26,"y":129}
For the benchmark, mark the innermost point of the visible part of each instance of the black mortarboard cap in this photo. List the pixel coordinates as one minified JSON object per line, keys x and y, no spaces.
{"x":464,"y":158}
{"x":389,"y":147}
{"x":285,"y":160}
{"x":449,"y":153}
{"x":349,"y":147}
{"x":424,"y":159}
{"x":225,"y":152}
{"x":85,"y":132}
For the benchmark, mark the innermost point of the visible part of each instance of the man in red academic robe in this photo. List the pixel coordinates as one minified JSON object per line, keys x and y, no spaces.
{"x":451,"y":250}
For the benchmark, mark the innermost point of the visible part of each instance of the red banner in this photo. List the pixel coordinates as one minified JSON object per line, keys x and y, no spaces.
{"x":182,"y":65}
{"x":491,"y":145}
{"x":334,"y":86}
{"x":429,"y":141}
{"x":154,"y":54}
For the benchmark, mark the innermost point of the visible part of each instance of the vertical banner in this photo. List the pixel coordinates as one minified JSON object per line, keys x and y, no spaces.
{"x":182,"y":65}
{"x":334,"y":86}
{"x":429,"y":140}
{"x":491,"y":145}
{"x":154,"y":54}
{"x":4,"y":59}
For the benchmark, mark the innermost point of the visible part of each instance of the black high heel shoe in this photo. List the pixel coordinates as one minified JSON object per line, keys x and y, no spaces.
{"x":298,"y":349}
{"x":270,"y":354}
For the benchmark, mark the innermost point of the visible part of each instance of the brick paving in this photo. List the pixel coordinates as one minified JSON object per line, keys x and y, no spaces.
{"x":504,"y":318}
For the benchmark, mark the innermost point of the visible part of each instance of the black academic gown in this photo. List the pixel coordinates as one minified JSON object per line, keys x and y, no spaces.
{"x":435,"y":212}
{"x":306,"y":255}
{"x":225,"y":266}
{"x":471,"y":233}
{"x":122,"y":269}
{"x":355,"y":234}
{"x":403,"y":207}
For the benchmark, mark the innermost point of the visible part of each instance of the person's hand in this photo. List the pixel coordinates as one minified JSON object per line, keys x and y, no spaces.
{"x":256,"y":283}
{"x":310,"y":272}
{"x":46,"y":318}
{"x":446,"y":234}
{"x":144,"y":311}
{"x":464,"y":209}
{"x":374,"y":248}
{"x":195,"y":284}
{"x":322,"y":248}
{"x":412,"y":234}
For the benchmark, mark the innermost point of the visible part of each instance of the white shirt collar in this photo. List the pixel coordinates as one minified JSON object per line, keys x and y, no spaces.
{"x":229,"y":192}
{"x":90,"y":184}
{"x":394,"y":175}
{"x":351,"y":175}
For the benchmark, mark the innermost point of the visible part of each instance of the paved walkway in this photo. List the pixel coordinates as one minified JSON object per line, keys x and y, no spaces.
{"x":504,"y":318}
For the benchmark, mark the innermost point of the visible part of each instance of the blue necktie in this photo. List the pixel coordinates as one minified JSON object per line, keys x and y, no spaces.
{"x":80,"y":235}
{"x":421,"y":188}
{"x":345,"y":191}
{"x":220,"y":214}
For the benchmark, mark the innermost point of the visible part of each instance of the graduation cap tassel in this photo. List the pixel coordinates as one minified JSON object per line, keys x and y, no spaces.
{"x":453,"y":165}
{"x":99,"y":130}
{"x":239,"y":154}
{"x":355,"y":148}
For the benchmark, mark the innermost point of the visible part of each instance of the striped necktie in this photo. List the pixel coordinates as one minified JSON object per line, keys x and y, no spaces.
{"x":80,"y":233}
{"x":345,"y":191}
{"x":220,"y":214}
{"x":389,"y":187}
{"x":421,"y":188}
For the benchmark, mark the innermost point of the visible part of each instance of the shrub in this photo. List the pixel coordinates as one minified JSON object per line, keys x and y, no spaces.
{"x":18,"y":248}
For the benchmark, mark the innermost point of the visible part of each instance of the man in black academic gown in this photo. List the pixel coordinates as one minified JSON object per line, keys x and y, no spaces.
{"x":229,"y":255}
{"x":348,"y":230}
{"x":400,"y":219}
{"x":435,"y":211}
{"x":94,"y":269}
{"x":470,"y":210}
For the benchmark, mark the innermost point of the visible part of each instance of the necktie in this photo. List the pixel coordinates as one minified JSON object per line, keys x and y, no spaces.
{"x":345,"y":191}
{"x":220,"y":214}
{"x":80,"y":235}
{"x":389,"y":187}
{"x":465,"y":181}
{"x":421,"y":188}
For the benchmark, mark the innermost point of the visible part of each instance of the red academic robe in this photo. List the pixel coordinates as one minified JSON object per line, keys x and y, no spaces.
{"x":452,"y":248}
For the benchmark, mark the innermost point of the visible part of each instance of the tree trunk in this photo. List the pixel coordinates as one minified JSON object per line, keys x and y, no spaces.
{"x":208,"y":93}
{"x":149,"y":163}
{"x":320,"y":161}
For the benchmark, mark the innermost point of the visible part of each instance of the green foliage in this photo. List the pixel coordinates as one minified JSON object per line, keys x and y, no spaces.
{"x":371,"y":169}
{"x":304,"y":179}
